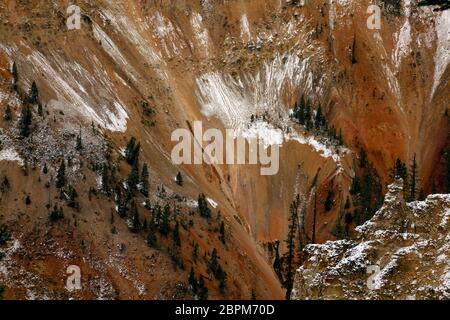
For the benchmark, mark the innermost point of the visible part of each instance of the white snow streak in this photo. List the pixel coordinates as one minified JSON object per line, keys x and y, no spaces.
{"x":10,"y":155}
{"x":442,"y":57}
{"x":200,"y":33}
{"x":68,"y":96}
{"x":245,"y":28}
{"x":403,"y":43}
{"x":234,"y":100}
{"x":212,"y":203}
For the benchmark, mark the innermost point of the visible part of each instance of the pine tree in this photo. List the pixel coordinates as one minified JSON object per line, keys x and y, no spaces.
{"x":339,"y":230}
{"x":421,"y":195}
{"x":277,"y":265}
{"x":308,"y":116}
{"x":340,"y":138}
{"x":299,"y":111}
{"x":290,"y":244}
{"x":144,"y":180}
{"x":176,"y":234}
{"x":319,"y":120}
{"x":367,"y":193}
{"x":195,"y":251}
{"x":5,"y":184}
{"x":203,"y":208}
{"x":40,"y":110}
{"x":132,"y":151}
{"x":56,"y":214}
{"x":129,"y":148}
{"x":216,"y":270}
{"x":151,"y":238}
{"x":71,"y":197}
{"x":202,"y":291}
{"x":7,"y":116}
{"x":362,"y":158}
{"x":61,"y":175}
{"x":213,"y":264}
{"x":313,"y":237}
{"x":134,"y":225}
{"x":192,"y":282}
{"x":302,"y":111}
{"x":329,"y":199}
{"x":162,"y":222}
{"x":122,"y":204}
{"x":25,"y":121}
{"x":179,"y":179}
{"x":5,"y":235}
{"x":400,"y":170}
{"x":79,"y":143}
{"x":133,"y":177}
{"x":145,"y":225}
{"x":447,"y":175}
{"x":33,"y":94}
{"x":105,"y":179}
{"x":413,"y":180}
{"x":222,"y":277}
{"x":347,"y":203}
{"x":15,"y":74}
{"x":354,"y":61}
{"x":151,"y":233}
{"x":222,"y":232}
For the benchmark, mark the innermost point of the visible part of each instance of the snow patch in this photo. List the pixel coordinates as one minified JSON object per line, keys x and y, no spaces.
{"x":320,"y":147}
{"x":10,"y":155}
{"x":442,"y":56}
{"x":200,"y":33}
{"x":445,"y":219}
{"x":163,"y":26}
{"x":235,"y":99}
{"x":403,"y":43}
{"x":245,"y":28}
{"x":112,"y":50}
{"x":212,"y":203}
{"x":191,"y":203}
{"x":267,"y":134}
{"x":68,"y":96}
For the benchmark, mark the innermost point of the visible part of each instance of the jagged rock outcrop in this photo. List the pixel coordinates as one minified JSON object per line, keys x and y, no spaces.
{"x":403,"y":252}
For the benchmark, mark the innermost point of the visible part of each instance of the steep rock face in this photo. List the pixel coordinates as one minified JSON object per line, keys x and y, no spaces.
{"x":401,"y":253}
{"x":229,"y":61}
{"x":222,"y":62}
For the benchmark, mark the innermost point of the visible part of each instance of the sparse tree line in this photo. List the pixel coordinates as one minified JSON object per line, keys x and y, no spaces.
{"x":410,"y":177}
{"x":285,"y":265}
{"x":162,"y":224}
{"x":29,"y":100}
{"x":314,"y":121}
{"x":366,"y":190}
{"x":5,"y":236}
